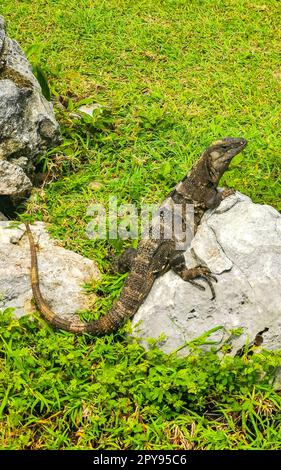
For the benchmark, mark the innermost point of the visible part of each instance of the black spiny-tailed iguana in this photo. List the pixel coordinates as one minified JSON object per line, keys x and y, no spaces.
{"x":155,"y":256}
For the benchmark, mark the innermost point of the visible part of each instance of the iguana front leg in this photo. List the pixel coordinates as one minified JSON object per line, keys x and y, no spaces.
{"x":177,"y":264}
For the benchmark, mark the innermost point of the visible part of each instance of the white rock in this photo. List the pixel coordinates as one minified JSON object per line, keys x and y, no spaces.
{"x":241,"y":243}
{"x":62,"y":272}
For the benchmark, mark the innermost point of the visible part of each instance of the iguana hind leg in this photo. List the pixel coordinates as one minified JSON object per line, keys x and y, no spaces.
{"x":177,"y":264}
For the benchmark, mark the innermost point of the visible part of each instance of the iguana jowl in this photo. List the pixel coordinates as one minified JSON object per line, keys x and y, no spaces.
{"x":154,"y":256}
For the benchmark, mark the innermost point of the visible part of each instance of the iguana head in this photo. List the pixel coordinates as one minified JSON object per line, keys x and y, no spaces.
{"x":220,"y":154}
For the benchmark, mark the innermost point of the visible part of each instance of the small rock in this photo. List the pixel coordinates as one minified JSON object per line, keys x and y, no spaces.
{"x":13,"y":180}
{"x":62,"y":272}
{"x":89,"y":108}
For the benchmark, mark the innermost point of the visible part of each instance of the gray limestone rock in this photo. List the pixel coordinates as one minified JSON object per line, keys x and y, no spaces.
{"x":62,"y":272}
{"x":27,"y":123}
{"x":241,"y":243}
{"x":13,"y":179}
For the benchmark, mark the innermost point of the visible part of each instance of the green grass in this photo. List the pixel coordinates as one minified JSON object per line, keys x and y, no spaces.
{"x":171,"y":76}
{"x":61,"y":392}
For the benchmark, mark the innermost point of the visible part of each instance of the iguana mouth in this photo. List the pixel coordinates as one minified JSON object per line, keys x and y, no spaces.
{"x":236,"y":145}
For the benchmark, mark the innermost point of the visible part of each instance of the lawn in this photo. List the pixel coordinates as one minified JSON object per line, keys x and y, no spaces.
{"x":168,"y":77}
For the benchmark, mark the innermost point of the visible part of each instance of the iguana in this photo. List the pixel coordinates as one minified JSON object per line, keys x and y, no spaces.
{"x":154,"y":256}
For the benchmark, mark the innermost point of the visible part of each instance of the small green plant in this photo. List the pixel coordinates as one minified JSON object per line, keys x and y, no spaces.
{"x":43,"y":81}
{"x":34,"y":54}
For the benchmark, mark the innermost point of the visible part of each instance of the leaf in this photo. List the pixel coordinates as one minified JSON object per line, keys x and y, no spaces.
{"x":5,"y":400}
{"x":166,"y":169}
{"x":43,"y":81}
{"x":33,"y":52}
{"x":201,"y":340}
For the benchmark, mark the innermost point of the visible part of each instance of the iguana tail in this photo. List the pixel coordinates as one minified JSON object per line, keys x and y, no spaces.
{"x":105,"y":325}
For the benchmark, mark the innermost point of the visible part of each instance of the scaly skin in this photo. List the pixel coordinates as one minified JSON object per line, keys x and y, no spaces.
{"x":154,"y":256}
